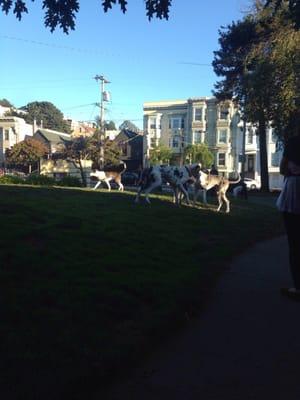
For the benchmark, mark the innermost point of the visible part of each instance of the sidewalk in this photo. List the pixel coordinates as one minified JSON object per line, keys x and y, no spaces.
{"x":245,"y":345}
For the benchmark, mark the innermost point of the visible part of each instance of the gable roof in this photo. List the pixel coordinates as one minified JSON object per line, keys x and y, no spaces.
{"x":52,"y":136}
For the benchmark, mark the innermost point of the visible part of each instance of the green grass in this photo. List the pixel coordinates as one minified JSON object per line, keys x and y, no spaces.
{"x":91,"y":281}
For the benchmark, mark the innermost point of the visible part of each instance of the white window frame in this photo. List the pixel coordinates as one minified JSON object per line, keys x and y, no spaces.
{"x":151,"y":124}
{"x":218,"y":159}
{"x":175,"y":140}
{"x":221,"y":108}
{"x":195,"y":112}
{"x":219,"y":135}
{"x":6,"y":134}
{"x":180,"y":122}
{"x":197,"y":132}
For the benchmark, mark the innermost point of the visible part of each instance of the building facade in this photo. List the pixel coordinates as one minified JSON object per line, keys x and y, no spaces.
{"x":12,"y":130}
{"x":179,"y":123}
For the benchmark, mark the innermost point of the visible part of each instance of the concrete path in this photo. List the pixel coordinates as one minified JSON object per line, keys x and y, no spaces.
{"x":245,"y":345}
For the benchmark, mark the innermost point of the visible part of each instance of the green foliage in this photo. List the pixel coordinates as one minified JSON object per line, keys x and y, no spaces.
{"x":70,"y":181}
{"x":110,"y":126}
{"x":5,"y":103}
{"x":199,"y":153}
{"x":112,"y":152}
{"x":160,"y":155}
{"x":40,"y":180}
{"x":63,"y":13}
{"x":130,"y":126}
{"x":11,"y":179}
{"x":44,"y":111}
{"x":26,"y":152}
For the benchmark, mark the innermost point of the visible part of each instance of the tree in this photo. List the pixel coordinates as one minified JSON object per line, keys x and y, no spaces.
{"x":26,"y":153}
{"x":5,"y":103}
{"x":110,"y":126}
{"x":75,"y":151}
{"x":246,"y":79}
{"x":112,"y":152}
{"x":160,"y":155}
{"x":62,"y":13}
{"x":51,"y":116}
{"x":128,"y":125}
{"x":199,"y":153}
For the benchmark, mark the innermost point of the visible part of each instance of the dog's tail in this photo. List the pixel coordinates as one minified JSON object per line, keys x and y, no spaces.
{"x":236,"y":181}
{"x":123,"y":167}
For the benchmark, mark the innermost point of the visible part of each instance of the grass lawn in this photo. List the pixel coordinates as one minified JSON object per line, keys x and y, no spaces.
{"x":90,"y":281}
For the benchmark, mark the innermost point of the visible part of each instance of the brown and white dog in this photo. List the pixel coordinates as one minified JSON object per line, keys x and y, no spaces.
{"x":207,"y":181}
{"x":108,"y":174}
{"x":176,"y":177}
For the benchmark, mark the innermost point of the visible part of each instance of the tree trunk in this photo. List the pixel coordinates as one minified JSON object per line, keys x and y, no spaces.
{"x":264,"y":173}
{"x":82,"y":173}
{"x":80,"y":167}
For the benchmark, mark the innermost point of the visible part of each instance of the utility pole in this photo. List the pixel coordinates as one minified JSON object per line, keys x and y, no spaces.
{"x":104,"y":98}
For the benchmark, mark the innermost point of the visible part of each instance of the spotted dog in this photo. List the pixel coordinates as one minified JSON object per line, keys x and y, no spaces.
{"x":207,"y":181}
{"x":108,"y":174}
{"x":177,"y":177}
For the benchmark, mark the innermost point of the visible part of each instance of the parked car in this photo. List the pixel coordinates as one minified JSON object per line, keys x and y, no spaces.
{"x":251,"y":184}
{"x":129,"y":178}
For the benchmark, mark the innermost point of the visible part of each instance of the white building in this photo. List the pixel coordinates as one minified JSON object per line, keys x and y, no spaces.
{"x":179,"y":123}
{"x":12,"y":130}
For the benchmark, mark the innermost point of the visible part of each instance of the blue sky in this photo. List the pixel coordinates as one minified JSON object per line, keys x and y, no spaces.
{"x":145,"y":61}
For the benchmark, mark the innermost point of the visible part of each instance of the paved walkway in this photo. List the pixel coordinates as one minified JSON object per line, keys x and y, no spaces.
{"x":245,"y":345}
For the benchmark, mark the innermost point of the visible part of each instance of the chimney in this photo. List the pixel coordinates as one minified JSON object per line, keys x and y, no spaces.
{"x":41,"y":124}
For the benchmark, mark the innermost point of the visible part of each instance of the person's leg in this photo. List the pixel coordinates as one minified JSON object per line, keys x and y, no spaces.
{"x":292,"y":226}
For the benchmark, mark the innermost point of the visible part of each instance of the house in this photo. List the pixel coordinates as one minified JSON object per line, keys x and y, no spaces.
{"x":52,"y":139}
{"x":179,"y":123}
{"x":12,"y":130}
{"x":59,"y":168}
{"x":131,"y":145}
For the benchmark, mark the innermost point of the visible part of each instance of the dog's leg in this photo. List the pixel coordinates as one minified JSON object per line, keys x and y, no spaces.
{"x":227,"y":202}
{"x":97,"y":184}
{"x":108,"y":185}
{"x":118,"y":181}
{"x":204,"y":196}
{"x":185,"y":192}
{"x":138,"y":194}
{"x":149,"y":190}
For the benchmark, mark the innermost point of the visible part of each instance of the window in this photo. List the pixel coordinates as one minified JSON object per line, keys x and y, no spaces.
{"x":175,"y":141}
{"x":152,"y":123}
{"x":250,"y":136}
{"x":197,"y":136}
{"x":176,"y":123}
{"x":222,"y":136}
{"x":6,"y":134}
{"x":224,"y":112}
{"x":221,"y":159}
{"x":250,"y":163}
{"x":1,"y":132}
{"x":275,"y":159}
{"x":198,"y":114}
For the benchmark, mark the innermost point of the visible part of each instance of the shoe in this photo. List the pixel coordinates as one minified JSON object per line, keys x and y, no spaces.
{"x":291,"y":293}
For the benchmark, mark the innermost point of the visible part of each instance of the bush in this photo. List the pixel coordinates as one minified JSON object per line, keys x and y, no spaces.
{"x":11,"y":179}
{"x":42,"y":180}
{"x":69,"y":181}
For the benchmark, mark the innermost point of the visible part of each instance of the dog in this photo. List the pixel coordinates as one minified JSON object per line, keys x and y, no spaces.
{"x":176,"y":177}
{"x":108,"y":174}
{"x":207,"y":181}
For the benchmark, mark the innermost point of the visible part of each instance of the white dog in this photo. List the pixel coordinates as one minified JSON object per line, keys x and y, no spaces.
{"x":108,"y":174}
{"x":207,"y":181}
{"x":177,"y":177}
